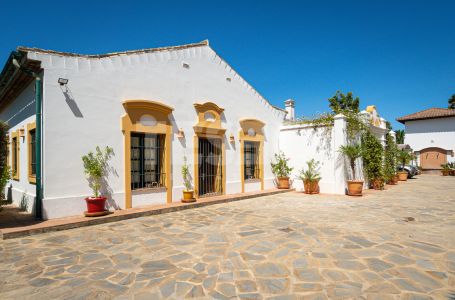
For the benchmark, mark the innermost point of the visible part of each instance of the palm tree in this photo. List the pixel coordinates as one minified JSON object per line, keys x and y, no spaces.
{"x":352,"y":152}
{"x":452,"y":102}
{"x":400,"y":136}
{"x":404,"y":157}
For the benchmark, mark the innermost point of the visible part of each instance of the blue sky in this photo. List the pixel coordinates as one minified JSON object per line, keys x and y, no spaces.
{"x":398,"y":55}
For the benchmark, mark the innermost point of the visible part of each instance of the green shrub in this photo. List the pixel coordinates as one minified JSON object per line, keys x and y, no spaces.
{"x":390,"y":161}
{"x":372,"y":156}
{"x":280,"y":168}
{"x":311,"y":174}
{"x":96,"y":166}
{"x":186,"y":175}
{"x":352,"y":152}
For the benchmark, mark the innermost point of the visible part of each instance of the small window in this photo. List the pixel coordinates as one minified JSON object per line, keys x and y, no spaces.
{"x":147,"y":161}
{"x":251,"y":160}
{"x":32,"y":155}
{"x":15,"y":158}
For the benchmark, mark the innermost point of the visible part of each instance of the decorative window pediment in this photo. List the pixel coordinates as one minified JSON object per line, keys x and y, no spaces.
{"x":208,"y":119}
{"x":146,"y":113}
{"x":251,"y":129}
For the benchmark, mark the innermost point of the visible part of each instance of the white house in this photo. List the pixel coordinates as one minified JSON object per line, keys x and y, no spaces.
{"x":153,"y":107}
{"x":431,"y":134}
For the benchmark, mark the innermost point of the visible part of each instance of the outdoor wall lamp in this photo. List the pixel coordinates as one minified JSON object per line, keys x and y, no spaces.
{"x":62,"y":81}
{"x":180,"y":133}
{"x":231,"y":138}
{"x":22,"y":132}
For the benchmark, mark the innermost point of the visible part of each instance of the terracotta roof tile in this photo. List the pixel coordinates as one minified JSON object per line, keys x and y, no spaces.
{"x":431,"y":113}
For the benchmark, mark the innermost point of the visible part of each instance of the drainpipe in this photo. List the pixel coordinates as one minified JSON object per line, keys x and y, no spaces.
{"x":38,"y":101}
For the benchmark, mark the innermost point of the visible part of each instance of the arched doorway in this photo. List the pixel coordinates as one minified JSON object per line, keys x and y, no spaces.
{"x":432,"y":158}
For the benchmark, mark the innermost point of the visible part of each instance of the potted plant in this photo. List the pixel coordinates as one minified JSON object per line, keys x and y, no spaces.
{"x":352,"y":152}
{"x":452,"y":169}
{"x":96,"y":168}
{"x":188,"y":192}
{"x":390,"y":165}
{"x":404,"y":157}
{"x":281,"y":170}
{"x":311,"y":177}
{"x":373,"y":159}
{"x":445,"y":169}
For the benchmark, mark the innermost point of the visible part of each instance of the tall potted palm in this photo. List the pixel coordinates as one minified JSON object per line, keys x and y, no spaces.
{"x":403,"y":157}
{"x":311,"y":177}
{"x":352,"y":153}
{"x":281,"y":170}
{"x":96,"y":168}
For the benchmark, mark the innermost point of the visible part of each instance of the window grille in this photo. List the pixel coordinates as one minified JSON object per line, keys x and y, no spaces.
{"x":32,"y":153}
{"x":147,"y":161}
{"x":14,"y":156}
{"x":210,"y":167}
{"x":251,"y":160}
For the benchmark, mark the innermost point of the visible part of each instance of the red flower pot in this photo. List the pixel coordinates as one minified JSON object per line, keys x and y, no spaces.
{"x":95,"y":204}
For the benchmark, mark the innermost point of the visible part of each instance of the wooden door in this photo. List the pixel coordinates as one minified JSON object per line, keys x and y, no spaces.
{"x":432,"y":158}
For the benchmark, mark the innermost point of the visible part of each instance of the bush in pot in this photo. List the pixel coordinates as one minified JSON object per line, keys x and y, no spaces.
{"x":390,"y":161}
{"x":404,"y":157}
{"x":352,"y":153}
{"x":445,"y":169}
{"x":96,"y":168}
{"x":311,"y":177}
{"x":281,"y":170}
{"x":452,"y":169}
{"x":188,"y":192}
{"x":372,"y":156}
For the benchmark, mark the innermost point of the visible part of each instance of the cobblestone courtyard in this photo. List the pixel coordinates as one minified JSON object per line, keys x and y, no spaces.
{"x":395,"y":244}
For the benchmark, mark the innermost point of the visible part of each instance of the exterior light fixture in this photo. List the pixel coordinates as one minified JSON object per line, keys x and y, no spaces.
{"x":228,"y":79}
{"x":186,"y":65}
{"x":231,"y":138}
{"x":22,"y":132}
{"x":62,"y":81}
{"x":180,"y":133}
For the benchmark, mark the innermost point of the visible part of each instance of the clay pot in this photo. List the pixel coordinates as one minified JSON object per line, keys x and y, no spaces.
{"x":95,"y":204}
{"x":355,"y":187}
{"x":378,"y":184}
{"x":188,"y":196}
{"x":283,"y":183}
{"x":395,"y":179}
{"x":445,"y":172}
{"x":311,"y":187}
{"x":452,"y":172}
{"x":403,"y":176}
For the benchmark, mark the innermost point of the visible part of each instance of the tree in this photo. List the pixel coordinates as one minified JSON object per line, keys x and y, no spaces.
{"x":352,"y":152}
{"x":452,"y":102}
{"x":400,"y":136}
{"x":341,"y":103}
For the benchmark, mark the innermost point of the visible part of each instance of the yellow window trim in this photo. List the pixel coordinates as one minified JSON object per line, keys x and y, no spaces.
{"x":130,"y":122}
{"x":257,"y":126}
{"x":15,"y":173}
{"x":208,"y":129}
{"x":30,"y":127}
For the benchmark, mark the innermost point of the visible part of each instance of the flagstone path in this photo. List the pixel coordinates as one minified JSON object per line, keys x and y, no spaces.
{"x":394,"y":244}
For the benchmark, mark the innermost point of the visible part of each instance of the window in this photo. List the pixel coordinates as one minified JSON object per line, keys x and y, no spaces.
{"x":32,"y":154}
{"x":15,"y":157}
{"x":251,"y":160}
{"x":147,"y":160}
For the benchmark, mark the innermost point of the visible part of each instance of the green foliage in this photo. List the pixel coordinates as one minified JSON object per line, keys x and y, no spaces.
{"x":390,"y":157}
{"x":96,"y":167}
{"x":5,"y":173}
{"x":445,"y":167}
{"x":280,"y":168}
{"x":324,"y":119}
{"x":404,"y":157}
{"x":352,"y":152}
{"x":452,"y":102}
{"x":372,"y":156}
{"x":186,"y":175}
{"x":311,"y":174}
{"x":399,"y":136}
{"x":341,"y":103}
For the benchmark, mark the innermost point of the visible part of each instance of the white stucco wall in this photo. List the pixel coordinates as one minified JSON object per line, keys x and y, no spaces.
{"x":18,"y":114}
{"x":421,"y":134}
{"x":89,"y":113}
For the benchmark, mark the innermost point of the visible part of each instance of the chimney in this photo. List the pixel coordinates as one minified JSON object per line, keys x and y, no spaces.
{"x":289,"y":106}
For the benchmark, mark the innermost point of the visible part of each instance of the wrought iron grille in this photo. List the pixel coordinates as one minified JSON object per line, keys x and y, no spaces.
{"x":33,"y":153}
{"x":210,"y":167}
{"x":14,"y":155}
{"x":251,"y":160}
{"x":147,"y":161}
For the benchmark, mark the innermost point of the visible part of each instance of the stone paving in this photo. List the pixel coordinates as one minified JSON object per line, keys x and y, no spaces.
{"x":393,"y":244}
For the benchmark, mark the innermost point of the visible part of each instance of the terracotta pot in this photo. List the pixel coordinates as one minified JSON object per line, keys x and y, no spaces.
{"x":403,"y":176}
{"x":283,"y":182}
{"x":378,"y":184}
{"x":395,"y":179}
{"x":452,"y":172}
{"x":445,"y":172}
{"x":355,"y":187}
{"x":95,"y":204}
{"x":311,"y":187}
{"x":188,"y":196}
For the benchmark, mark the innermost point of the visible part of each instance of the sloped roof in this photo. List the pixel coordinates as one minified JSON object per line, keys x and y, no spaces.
{"x":147,"y":50}
{"x":431,"y":113}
